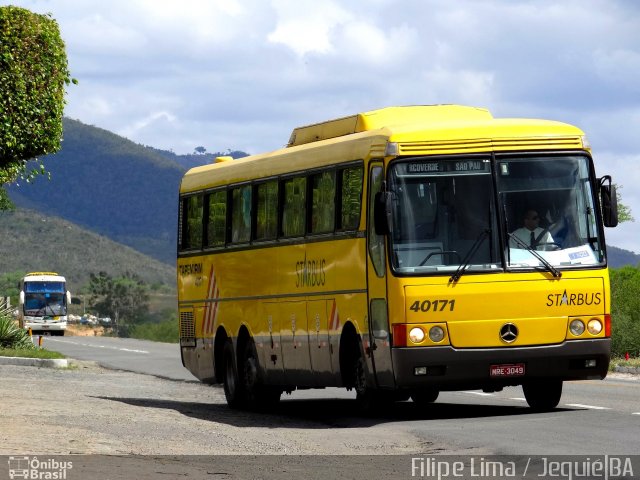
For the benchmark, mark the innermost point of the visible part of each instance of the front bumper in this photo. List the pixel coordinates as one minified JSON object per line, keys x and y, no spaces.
{"x":46,"y":327}
{"x":449,"y":368}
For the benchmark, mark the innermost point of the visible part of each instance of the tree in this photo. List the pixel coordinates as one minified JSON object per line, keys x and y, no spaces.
{"x":200,"y":150}
{"x":624,"y":212}
{"x":9,"y":285}
{"x":33,"y":76}
{"x":125,"y":299}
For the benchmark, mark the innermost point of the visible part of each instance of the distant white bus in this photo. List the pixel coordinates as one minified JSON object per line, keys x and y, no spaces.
{"x":44,"y":299}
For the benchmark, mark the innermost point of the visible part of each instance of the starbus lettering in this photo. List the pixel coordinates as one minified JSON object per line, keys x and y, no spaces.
{"x":310,"y":273}
{"x":573,"y":299}
{"x":190,"y":269}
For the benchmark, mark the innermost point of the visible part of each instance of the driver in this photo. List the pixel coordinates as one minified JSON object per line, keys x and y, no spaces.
{"x":531,"y":233}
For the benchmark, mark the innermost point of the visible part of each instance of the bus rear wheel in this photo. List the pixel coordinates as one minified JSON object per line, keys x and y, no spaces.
{"x":258,"y":396}
{"x":233,"y":390}
{"x":542,"y":395}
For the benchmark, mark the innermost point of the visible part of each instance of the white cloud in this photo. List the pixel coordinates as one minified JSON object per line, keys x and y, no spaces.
{"x":306,"y":25}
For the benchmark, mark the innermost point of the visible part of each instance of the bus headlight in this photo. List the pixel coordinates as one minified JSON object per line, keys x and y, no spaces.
{"x":594,"y":326}
{"x":576,"y":327}
{"x":416,"y":335}
{"x":436,"y":334}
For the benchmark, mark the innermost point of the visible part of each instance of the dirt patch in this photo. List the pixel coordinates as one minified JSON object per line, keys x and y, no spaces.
{"x":87,"y":409}
{"x":84,"y":330}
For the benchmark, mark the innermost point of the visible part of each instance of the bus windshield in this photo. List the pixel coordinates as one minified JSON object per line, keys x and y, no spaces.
{"x":44,"y":298}
{"x":446,"y":214}
{"x":549,"y":207}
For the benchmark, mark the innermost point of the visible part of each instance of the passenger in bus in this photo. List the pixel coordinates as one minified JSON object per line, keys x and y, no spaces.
{"x":531,"y":233}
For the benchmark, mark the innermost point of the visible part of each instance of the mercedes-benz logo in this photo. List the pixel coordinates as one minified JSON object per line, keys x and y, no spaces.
{"x":509,"y":333}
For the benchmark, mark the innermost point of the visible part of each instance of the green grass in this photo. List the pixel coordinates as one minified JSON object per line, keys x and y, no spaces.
{"x":166,"y":331}
{"x":28,"y":353}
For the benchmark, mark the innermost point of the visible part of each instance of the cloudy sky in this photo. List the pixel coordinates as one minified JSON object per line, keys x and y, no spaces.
{"x":240,"y":74}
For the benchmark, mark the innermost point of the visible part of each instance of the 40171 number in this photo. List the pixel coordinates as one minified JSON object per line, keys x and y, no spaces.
{"x":439,"y":305}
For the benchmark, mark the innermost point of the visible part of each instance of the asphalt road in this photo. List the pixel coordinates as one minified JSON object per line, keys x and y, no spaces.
{"x":594,"y":417}
{"x":152,"y":358}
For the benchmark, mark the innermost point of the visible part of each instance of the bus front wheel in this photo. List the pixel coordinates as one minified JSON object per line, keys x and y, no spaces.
{"x":369,"y":400}
{"x":542,"y":395}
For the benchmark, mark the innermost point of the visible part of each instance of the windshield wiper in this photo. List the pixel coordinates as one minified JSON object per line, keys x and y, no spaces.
{"x":467,"y":259}
{"x":554,"y":271}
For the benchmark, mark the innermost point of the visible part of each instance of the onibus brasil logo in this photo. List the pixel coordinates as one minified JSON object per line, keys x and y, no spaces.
{"x":33,"y":468}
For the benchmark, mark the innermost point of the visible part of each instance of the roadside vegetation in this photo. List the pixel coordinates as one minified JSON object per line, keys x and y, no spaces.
{"x":12,"y":336}
{"x":16,"y":342}
{"x":625,"y":312}
{"x":622,"y":362}
{"x":30,"y":353}
{"x":165,"y":331}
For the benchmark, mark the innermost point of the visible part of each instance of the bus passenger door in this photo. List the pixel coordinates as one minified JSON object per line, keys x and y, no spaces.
{"x":379,"y":334}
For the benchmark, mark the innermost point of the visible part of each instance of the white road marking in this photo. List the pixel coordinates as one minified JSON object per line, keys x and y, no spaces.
{"x":482,"y":394}
{"x":590,"y":407}
{"x":98,"y":346}
{"x":635,"y":413}
{"x":519,"y":399}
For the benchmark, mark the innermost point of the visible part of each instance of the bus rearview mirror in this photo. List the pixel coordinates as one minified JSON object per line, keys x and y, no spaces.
{"x":609,"y":202}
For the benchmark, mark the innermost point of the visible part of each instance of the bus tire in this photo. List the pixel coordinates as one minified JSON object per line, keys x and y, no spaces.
{"x":369,"y":400}
{"x":424,"y":396}
{"x":258,"y":396}
{"x":542,"y":395}
{"x":233,"y":391}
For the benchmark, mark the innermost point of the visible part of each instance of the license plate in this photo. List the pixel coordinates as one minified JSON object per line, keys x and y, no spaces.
{"x":508,"y":370}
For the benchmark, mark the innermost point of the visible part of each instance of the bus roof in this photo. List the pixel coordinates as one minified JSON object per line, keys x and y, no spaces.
{"x":43,"y":277}
{"x":416,"y":130}
{"x":389,"y":117}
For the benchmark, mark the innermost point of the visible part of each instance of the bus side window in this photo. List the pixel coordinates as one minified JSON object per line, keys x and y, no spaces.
{"x":241,"y":214}
{"x":267,"y":211}
{"x":217,"y":219}
{"x":192,"y":236}
{"x":295,"y":207}
{"x":323,"y":202}
{"x":351,"y":197}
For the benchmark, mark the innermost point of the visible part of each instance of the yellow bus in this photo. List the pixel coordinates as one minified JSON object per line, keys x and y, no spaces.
{"x":384,"y":252}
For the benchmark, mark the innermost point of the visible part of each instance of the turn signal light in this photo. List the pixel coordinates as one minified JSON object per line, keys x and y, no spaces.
{"x":400,"y":335}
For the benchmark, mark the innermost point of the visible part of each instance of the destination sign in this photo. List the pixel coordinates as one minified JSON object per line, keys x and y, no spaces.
{"x":444,"y":166}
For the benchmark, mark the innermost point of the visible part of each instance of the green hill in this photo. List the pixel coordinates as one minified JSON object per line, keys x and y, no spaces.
{"x":619,"y":257}
{"x":112,"y":186}
{"x":32,"y":241}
